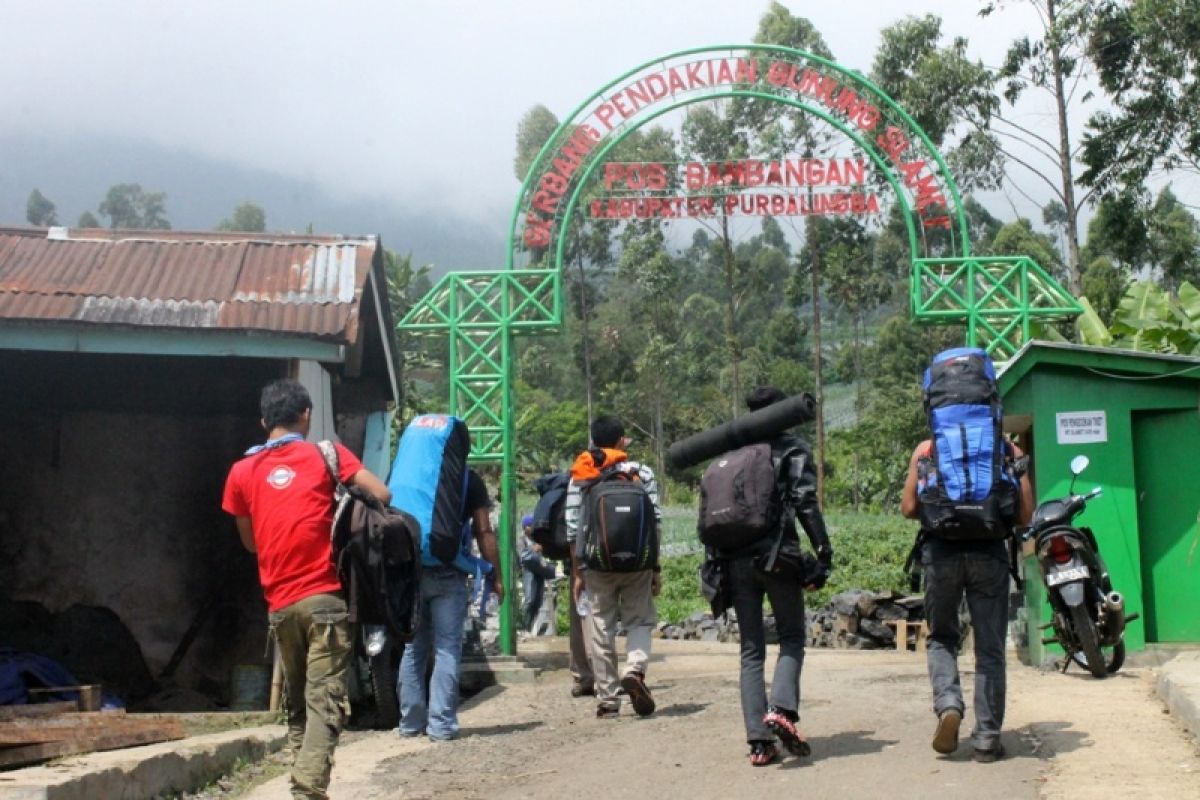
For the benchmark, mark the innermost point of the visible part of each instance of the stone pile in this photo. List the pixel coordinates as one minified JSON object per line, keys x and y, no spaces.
{"x":855,"y":619}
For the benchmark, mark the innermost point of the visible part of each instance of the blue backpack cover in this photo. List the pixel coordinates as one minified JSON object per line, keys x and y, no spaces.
{"x":965,"y":490}
{"x":429,"y":481}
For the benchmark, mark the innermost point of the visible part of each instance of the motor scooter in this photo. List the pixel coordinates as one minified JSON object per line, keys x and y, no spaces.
{"x":1088,"y":616}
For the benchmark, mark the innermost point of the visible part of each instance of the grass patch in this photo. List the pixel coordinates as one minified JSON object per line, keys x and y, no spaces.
{"x":869,"y":553}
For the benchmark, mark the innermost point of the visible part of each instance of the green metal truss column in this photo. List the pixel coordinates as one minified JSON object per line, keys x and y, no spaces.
{"x":480,"y":312}
{"x":1000,"y":299}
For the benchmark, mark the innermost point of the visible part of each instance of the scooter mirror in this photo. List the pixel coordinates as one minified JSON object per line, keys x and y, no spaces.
{"x":1079,"y":464}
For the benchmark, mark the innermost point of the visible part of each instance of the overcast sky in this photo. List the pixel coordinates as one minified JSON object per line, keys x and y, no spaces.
{"x":413,"y":102}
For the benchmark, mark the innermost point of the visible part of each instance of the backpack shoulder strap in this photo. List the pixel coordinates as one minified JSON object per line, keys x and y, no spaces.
{"x":329,"y":455}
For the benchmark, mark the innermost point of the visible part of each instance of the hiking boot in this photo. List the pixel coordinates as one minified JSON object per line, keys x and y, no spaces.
{"x":580,"y":689}
{"x":634,"y":685}
{"x":607,"y":711}
{"x":945,"y":738}
{"x":782,"y":723}
{"x":990,"y":754}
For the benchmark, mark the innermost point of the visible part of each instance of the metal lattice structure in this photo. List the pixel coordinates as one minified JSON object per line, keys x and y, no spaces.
{"x":480,"y":312}
{"x":999,"y":300}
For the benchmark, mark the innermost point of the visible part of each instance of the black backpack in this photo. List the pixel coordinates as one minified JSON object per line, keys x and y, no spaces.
{"x":377,"y":555}
{"x":739,"y":498}
{"x":618,"y":529}
{"x":549,"y":516}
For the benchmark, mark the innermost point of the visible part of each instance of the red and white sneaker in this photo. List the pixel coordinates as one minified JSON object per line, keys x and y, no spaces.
{"x":783,"y":726}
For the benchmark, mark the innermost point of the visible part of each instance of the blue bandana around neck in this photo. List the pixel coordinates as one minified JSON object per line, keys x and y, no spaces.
{"x":271,"y":444}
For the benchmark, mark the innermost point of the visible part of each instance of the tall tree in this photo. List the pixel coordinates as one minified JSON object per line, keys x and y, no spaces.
{"x":950,"y":96}
{"x":39,"y":210}
{"x":1147,"y":54}
{"x":533,"y":131}
{"x":247,"y":216}
{"x":88,"y":220}
{"x":127,"y":205}
{"x":1053,"y":62}
{"x":710,"y":133}
{"x":644,"y":262}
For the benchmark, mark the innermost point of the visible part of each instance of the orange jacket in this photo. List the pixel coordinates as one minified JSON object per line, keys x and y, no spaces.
{"x":589,"y":463}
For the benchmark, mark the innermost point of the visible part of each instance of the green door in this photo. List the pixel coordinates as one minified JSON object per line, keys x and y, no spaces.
{"x":1165,"y":446}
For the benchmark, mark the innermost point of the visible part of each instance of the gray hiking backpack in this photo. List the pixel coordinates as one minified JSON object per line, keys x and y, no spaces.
{"x":739,"y":498}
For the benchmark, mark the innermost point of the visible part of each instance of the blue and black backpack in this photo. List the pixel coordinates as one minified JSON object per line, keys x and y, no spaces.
{"x":429,"y":481}
{"x":965,"y":488}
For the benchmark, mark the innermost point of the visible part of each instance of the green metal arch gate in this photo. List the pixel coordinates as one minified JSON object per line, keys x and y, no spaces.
{"x":998,"y":299}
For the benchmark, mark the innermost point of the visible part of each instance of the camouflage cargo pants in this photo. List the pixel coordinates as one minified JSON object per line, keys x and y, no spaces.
{"x":314,"y":646}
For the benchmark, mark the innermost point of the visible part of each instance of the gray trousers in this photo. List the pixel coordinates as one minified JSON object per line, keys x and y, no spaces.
{"x":787,"y":602}
{"x":625,"y":596}
{"x":983,"y":578}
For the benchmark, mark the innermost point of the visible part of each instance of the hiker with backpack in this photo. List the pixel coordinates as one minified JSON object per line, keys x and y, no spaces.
{"x":966,"y":485}
{"x":612,"y":519}
{"x":750,"y":501}
{"x":282,"y":497}
{"x":550,"y":531}
{"x":535,"y":571}
{"x":430,"y":479}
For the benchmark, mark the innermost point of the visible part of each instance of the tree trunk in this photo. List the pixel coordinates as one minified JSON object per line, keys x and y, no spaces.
{"x":660,"y":451}
{"x":732,"y":342}
{"x":859,"y":401}
{"x":587,"y":339}
{"x":1064,"y":154}
{"x":818,"y":389}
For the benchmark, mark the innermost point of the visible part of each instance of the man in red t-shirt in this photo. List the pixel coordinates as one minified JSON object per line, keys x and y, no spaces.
{"x":282,"y":496}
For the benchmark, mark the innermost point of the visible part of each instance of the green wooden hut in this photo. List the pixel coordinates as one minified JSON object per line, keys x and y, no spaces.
{"x":1137,"y":418}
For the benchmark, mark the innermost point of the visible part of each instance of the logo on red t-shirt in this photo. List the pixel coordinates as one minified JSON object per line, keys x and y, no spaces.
{"x":281,"y":477}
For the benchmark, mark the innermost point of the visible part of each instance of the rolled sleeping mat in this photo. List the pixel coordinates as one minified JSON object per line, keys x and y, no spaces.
{"x":757,"y":426}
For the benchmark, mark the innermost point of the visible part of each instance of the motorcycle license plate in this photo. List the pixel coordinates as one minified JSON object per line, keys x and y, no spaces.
{"x":1066,"y":576}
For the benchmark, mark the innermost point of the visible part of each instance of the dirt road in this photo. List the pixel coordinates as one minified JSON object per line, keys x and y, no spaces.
{"x":866,"y":714}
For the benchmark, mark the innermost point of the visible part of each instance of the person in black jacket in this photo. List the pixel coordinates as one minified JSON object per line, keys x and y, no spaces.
{"x":775,"y":567}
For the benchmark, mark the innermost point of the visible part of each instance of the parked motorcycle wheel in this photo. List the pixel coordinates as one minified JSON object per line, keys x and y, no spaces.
{"x":1089,"y":642}
{"x":385,"y":667}
{"x":1114,"y":657}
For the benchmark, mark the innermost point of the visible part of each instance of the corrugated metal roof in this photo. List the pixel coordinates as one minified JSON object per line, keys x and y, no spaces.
{"x":299,"y":285}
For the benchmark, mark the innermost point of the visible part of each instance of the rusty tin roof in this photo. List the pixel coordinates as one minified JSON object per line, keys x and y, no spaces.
{"x":308,"y":286}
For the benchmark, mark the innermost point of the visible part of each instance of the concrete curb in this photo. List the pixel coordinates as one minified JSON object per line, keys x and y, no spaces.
{"x":143,"y":772}
{"x":1179,"y":686}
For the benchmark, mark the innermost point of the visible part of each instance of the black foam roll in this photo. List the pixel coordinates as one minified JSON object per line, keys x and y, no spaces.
{"x":757,"y":426}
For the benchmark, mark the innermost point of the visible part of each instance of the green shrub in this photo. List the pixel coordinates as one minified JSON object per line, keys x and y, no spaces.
{"x":869,"y":553}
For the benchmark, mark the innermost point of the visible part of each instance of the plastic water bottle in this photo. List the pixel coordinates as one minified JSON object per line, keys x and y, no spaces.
{"x":584,"y":604}
{"x":376,"y":638}
{"x":491,"y":605}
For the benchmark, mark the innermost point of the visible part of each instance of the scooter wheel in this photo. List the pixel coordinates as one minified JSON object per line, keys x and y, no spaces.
{"x":1089,"y":643}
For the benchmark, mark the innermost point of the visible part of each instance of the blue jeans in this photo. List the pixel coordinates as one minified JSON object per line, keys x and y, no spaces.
{"x":981,"y":575}
{"x":443,"y":612}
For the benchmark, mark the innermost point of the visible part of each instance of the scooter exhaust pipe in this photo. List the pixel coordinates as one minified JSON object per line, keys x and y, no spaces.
{"x":1114,"y":607}
{"x":1115,"y":602}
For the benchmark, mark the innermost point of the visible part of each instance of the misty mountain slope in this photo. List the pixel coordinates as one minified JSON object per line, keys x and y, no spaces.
{"x":76,"y":173}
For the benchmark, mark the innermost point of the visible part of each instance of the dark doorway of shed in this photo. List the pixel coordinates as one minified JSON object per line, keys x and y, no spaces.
{"x":1168,"y":531}
{"x":112,"y":542}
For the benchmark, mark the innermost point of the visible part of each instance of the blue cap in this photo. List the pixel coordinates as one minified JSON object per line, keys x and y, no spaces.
{"x":527,"y":521}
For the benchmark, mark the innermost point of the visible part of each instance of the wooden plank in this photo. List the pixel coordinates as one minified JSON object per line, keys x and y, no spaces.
{"x":902,"y":634}
{"x":147,"y":734}
{"x":66,"y":726}
{"x":37,"y":710}
{"x":89,"y":694}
